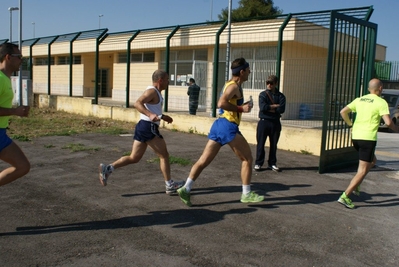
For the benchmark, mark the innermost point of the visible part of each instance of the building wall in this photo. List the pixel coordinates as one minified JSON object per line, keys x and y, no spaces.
{"x":59,"y":79}
{"x":140,"y":78}
{"x":303,"y":77}
{"x":303,"y":64}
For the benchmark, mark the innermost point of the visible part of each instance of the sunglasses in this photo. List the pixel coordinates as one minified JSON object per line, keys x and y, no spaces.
{"x":269,"y":82}
{"x":17,"y":55}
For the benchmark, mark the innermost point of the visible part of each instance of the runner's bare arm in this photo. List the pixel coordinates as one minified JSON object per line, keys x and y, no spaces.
{"x":389,"y":123}
{"x":345,"y":115}
{"x":230,"y":92}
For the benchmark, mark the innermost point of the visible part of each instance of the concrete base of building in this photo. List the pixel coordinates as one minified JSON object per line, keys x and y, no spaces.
{"x":296,"y":139}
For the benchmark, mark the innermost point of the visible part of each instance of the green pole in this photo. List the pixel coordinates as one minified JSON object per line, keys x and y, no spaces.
{"x":49,"y":66}
{"x":128,"y":67}
{"x":71,"y":61}
{"x":165,"y":107}
{"x":280,"y":44}
{"x":216,"y":69}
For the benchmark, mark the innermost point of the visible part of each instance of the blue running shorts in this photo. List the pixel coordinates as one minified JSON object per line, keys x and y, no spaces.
{"x":223,"y":131}
{"x":146,"y":131}
{"x":5,"y":141}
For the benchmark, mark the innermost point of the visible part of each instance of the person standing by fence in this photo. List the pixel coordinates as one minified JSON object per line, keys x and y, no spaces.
{"x":271,"y":106}
{"x":193,"y":93}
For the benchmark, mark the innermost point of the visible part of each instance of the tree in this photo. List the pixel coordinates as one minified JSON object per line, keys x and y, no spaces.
{"x":251,"y":9}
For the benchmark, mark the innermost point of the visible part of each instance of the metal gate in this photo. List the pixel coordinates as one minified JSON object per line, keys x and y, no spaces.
{"x":351,"y":54}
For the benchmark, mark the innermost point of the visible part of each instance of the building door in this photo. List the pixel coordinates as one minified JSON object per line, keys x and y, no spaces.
{"x":103,"y":83}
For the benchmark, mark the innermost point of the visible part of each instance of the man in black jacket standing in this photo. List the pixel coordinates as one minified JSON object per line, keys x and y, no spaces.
{"x":271,"y":106}
{"x":193,"y":93}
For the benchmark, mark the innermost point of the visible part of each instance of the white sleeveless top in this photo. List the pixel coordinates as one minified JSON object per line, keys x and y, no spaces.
{"x":154,"y":108}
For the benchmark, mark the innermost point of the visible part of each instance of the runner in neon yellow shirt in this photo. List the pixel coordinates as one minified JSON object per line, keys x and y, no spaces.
{"x":369,"y":109}
{"x":10,"y":60}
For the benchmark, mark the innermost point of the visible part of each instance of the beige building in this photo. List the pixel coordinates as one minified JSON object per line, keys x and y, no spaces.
{"x":192,"y":51}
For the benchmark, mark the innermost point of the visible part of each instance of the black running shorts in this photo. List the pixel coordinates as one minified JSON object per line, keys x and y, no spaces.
{"x":366,"y":149}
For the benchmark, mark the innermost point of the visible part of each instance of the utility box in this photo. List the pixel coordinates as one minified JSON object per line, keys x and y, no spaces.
{"x":27,"y":91}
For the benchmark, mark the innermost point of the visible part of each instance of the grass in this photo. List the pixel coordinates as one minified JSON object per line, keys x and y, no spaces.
{"x":50,"y":122}
{"x":79,"y":147}
{"x":192,"y":130}
{"x":173,"y":160}
{"x":305,"y":152}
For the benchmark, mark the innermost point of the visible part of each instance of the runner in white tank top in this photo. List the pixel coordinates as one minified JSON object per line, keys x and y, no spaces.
{"x":146,"y":133}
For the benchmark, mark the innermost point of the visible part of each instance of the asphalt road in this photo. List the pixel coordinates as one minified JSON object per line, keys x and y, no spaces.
{"x":387,"y":151}
{"x":60,"y":215}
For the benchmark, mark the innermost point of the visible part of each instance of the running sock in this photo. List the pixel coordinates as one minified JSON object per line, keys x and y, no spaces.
{"x":168,"y":183}
{"x":189,"y":183}
{"x":246,"y":189}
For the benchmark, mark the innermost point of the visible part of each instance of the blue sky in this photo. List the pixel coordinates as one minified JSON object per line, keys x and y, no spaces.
{"x":53,"y":17}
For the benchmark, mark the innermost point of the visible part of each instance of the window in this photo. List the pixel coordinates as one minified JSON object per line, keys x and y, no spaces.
{"x":262,"y":62}
{"x":64,"y":60}
{"x":201,"y":54}
{"x":184,"y":64}
{"x":149,"y":57}
{"x":137,"y":57}
{"x":122,"y":58}
{"x":25,"y":63}
{"x":77,"y":60}
{"x":42,"y":61}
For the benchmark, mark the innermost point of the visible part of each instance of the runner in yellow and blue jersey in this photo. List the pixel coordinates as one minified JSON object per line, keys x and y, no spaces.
{"x":232,"y":116}
{"x":225,"y":130}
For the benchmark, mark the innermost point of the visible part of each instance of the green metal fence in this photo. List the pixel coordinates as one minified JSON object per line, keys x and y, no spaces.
{"x":323,"y":59}
{"x":387,"y":70}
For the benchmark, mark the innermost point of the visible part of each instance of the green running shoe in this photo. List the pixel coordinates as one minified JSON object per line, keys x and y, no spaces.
{"x":344,"y":200}
{"x":251,"y":197}
{"x":357,"y":191}
{"x":184,"y":196}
